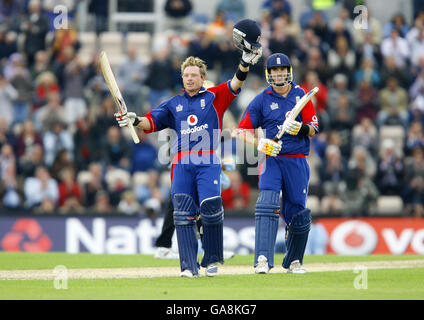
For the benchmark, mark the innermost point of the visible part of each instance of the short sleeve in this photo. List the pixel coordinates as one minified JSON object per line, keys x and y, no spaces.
{"x":224,"y":95}
{"x":251,"y":118}
{"x":159,"y":118}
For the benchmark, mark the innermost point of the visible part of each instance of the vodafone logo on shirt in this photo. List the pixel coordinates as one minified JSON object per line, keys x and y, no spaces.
{"x":192,"y":120}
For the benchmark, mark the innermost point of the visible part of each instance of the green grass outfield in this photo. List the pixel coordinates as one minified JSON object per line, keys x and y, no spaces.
{"x":407,"y":283}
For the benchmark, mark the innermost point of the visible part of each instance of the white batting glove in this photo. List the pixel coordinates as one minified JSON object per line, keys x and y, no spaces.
{"x":269,"y":147}
{"x":123,"y":120}
{"x":252,"y":57}
{"x":292,"y":126}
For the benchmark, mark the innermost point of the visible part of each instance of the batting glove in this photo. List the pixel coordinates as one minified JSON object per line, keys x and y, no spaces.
{"x":252,"y":57}
{"x":292,"y":126}
{"x":269,"y":147}
{"x":123,"y":120}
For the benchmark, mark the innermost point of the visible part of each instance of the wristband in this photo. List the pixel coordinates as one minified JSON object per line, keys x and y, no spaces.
{"x":241,"y":75}
{"x":304,"y":130}
{"x":136,"y":122}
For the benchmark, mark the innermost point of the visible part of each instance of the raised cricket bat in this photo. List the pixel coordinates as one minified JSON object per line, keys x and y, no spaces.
{"x":114,"y":90}
{"x":297,"y":109}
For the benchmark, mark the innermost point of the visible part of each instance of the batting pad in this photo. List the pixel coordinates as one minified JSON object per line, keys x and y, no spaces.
{"x":266,"y":225}
{"x":298,"y":231}
{"x":212,"y":213}
{"x":185,"y":226}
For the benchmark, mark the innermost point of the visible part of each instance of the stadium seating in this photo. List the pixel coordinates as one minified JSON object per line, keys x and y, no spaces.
{"x":389,"y":205}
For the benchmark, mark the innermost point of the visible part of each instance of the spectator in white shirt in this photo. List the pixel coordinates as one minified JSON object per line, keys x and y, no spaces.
{"x":41,"y":188}
{"x":396,"y":46}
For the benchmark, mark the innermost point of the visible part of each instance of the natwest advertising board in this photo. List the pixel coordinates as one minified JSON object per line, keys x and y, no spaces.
{"x":347,"y":236}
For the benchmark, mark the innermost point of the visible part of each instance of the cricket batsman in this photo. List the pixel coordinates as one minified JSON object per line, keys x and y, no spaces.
{"x":196,"y":117}
{"x":285,"y":167}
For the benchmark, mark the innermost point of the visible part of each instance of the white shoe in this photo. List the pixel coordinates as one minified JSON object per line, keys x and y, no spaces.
{"x":189,"y":274}
{"x":262,"y":266}
{"x":296,"y":267}
{"x":228,"y":254}
{"x":166,"y":253}
{"x":212,"y":269}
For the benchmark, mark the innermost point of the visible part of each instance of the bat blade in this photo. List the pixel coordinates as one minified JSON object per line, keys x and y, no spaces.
{"x":297,"y":109}
{"x":115,"y":92}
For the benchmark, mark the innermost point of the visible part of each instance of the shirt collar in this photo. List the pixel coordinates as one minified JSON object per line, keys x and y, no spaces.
{"x":202,"y":89}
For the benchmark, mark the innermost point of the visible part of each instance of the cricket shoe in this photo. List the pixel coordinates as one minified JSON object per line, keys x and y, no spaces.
{"x":189,"y":274}
{"x":228,"y":254}
{"x":212,"y":269}
{"x":166,"y":253}
{"x":262,"y":266}
{"x":296,"y":267}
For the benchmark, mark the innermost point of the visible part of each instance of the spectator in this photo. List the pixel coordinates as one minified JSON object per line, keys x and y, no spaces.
{"x":41,"y":64}
{"x":343,"y":118}
{"x":132,"y":74}
{"x":390,"y":69}
{"x":365,"y":134}
{"x":152,"y":208}
{"x":315,"y":63}
{"x":414,"y":165}
{"x":237,"y":196}
{"x":315,"y":163}
{"x":396,"y":46}
{"x":397,"y":22}
{"x":307,"y":42}
{"x":7,"y":94}
{"x":51,"y":112}
{"x":367,"y":98}
{"x":28,"y":163}
{"x":177,"y":12}
{"x":129,"y":204}
{"x":55,"y":139}
{"x":151,"y":189}
{"x":8,"y":179}
{"x":368,"y":49}
{"x":85,"y":145}
{"x":63,"y":39}
{"x":229,"y":54}
{"x":367,"y":72}
{"x":362,"y":162}
{"x":8,"y":43}
{"x":341,"y":59}
{"x":144,"y":154}
{"x":332,"y":170}
{"x":27,"y":140}
{"x":216,"y":29}
{"x":62,"y":160}
{"x":338,"y":29}
{"x":159,"y":79}
{"x":340,"y":88}
{"x":390,"y":170}
{"x":75,"y":105}
{"x":361,"y":195}
{"x":116,"y":150}
{"x":281,"y":41}
{"x":394,"y":104}
{"x":414,"y":137}
{"x":372,"y":25}
{"x":413,"y":197}
{"x":277,"y":7}
{"x":102,"y":204}
{"x":202,"y":46}
{"x":34,"y":27}
{"x":416,"y":45}
{"x":41,"y":190}
{"x":95,"y":184}
{"x":70,"y":195}
{"x":46,"y":83}
{"x":234,"y":10}
{"x":21,"y":81}
{"x":320,"y":99}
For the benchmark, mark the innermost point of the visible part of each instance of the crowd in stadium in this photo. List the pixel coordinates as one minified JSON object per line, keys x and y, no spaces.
{"x":62,"y":151}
